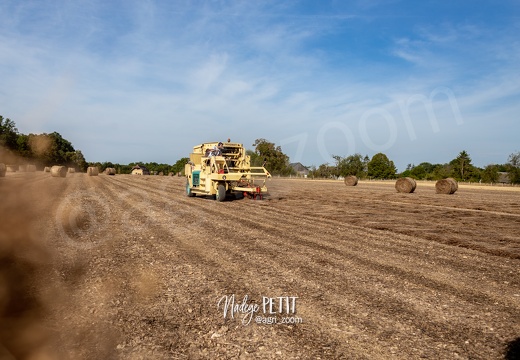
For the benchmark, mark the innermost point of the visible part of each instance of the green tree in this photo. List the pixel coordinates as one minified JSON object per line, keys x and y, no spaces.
{"x":179,"y":165}
{"x":23,"y":147}
{"x":255,"y":159}
{"x":78,"y":160}
{"x":275,"y":160}
{"x":490,"y":174}
{"x":8,"y":133}
{"x":323,"y":171}
{"x":514,"y":159}
{"x":123,"y":169}
{"x":380,"y":167}
{"x":462,"y":169}
{"x":513,"y":167}
{"x":418,"y":172}
{"x":351,"y":165}
{"x":41,"y":149}
{"x":441,"y":171}
{"x":60,"y":151}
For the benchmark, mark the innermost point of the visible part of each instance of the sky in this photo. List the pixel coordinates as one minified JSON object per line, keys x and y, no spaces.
{"x":146,"y":80}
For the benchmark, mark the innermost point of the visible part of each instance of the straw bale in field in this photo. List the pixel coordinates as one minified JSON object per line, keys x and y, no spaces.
{"x":58,"y":171}
{"x":405,"y":185}
{"x":446,"y":186}
{"x":351,"y":180}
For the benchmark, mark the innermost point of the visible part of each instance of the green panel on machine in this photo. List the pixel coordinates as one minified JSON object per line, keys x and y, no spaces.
{"x":196,"y":177}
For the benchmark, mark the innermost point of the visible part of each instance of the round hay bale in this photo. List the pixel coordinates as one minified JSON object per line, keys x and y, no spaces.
{"x":92,"y":171}
{"x":12,"y":168}
{"x":110,"y":171}
{"x":446,"y":186}
{"x":30,"y":168}
{"x":71,"y":170}
{"x":405,"y":185}
{"x":58,"y":171}
{"x":3,"y":169}
{"x":22,"y":168}
{"x":351,"y":180}
{"x":47,"y":169}
{"x":454,"y":182}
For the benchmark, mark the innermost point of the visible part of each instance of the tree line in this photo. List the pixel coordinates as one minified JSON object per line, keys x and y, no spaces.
{"x":381,"y":167}
{"x":265,"y":153}
{"x":52,"y":149}
{"x":153,"y":167}
{"x":37,"y":149}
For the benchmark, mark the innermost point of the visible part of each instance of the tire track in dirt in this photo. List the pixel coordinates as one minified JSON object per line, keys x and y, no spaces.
{"x":414,"y":225}
{"x":333,"y":245}
{"x":372,"y":294}
{"x":444,"y":207}
{"x":334,"y":230}
{"x":26,"y":179}
{"x":453,"y":202}
{"x":196,"y":256}
{"x":225,"y":253}
{"x":120,"y":265}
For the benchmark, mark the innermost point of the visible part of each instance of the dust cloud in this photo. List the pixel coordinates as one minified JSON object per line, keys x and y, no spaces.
{"x":40,"y":280}
{"x":24,"y":262}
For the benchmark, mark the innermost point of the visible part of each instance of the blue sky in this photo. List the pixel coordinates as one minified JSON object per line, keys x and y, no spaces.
{"x":147,"y":80}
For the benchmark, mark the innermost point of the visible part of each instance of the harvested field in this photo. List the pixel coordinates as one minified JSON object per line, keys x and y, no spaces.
{"x":139,"y":269}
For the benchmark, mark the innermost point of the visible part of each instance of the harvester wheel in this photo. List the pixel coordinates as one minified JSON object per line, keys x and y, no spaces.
{"x":221,"y":192}
{"x":188,"y":189}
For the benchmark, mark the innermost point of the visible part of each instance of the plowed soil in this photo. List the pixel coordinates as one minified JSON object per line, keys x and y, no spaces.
{"x":128,"y":267}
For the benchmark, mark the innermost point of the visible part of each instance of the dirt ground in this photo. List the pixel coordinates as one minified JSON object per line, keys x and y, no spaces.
{"x":128,"y":267}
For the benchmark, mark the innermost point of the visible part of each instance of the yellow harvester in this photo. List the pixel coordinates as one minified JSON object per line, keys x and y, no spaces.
{"x":218,"y":169}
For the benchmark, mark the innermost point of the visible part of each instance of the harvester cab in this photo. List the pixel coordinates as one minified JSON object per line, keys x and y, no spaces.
{"x":218,"y":169}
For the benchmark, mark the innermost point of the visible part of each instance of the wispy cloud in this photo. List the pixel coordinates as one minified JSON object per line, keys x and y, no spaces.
{"x":154,"y":71}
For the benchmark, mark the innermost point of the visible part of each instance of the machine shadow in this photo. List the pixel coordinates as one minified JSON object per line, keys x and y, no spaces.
{"x":513,"y":350}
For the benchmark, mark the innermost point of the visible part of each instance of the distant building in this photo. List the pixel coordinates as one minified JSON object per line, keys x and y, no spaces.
{"x":140,"y":170}
{"x":299,"y":169}
{"x":503,"y":178}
